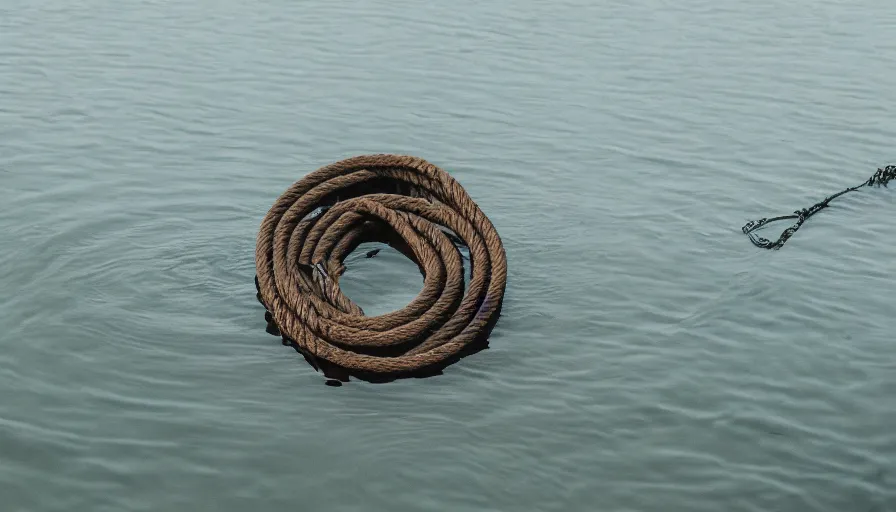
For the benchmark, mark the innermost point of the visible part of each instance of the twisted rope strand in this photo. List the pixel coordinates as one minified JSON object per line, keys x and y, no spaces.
{"x":417,"y":208}
{"x":880,"y":178}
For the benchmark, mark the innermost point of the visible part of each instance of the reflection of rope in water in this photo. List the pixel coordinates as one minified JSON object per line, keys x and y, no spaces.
{"x":881,"y":177}
{"x":417,"y":208}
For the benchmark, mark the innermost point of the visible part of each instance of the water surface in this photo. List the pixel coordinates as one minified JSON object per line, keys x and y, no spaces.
{"x":648,"y":358}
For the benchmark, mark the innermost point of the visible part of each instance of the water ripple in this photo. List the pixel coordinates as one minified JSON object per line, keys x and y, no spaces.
{"x":648,"y":358}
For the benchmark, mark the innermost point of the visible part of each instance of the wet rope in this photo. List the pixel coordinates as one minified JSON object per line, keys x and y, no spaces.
{"x":410,"y":204}
{"x":880,"y":178}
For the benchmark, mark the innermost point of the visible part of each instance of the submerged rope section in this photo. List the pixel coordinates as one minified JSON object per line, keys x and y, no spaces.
{"x":415,"y":207}
{"x":880,"y":178}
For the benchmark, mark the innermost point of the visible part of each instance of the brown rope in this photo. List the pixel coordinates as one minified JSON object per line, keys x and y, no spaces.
{"x":417,"y":208}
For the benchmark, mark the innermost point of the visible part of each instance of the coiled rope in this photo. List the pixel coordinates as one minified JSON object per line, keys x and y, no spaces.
{"x":879,"y":178}
{"x":417,"y":208}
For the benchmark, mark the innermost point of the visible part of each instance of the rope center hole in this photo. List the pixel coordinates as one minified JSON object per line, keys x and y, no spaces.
{"x":386,"y":282}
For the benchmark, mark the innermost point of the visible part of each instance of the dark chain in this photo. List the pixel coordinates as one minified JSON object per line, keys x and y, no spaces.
{"x":880,"y":178}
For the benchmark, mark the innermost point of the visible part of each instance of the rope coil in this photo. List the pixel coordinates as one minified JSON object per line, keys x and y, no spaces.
{"x":880,"y":178}
{"x":413,"y":206}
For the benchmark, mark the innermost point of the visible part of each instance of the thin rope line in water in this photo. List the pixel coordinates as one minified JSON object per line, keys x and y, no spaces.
{"x":880,"y":178}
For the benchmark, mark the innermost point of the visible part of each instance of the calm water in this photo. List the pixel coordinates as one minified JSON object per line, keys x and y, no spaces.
{"x":648,"y":359}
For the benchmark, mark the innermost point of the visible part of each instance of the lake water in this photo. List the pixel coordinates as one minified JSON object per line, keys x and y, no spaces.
{"x":649,"y":358}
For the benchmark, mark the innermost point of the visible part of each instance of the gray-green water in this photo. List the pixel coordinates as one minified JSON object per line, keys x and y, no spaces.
{"x":648,"y":358}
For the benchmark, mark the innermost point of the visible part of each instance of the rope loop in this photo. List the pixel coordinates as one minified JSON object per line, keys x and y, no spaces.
{"x":415,"y":207}
{"x":880,"y":178}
